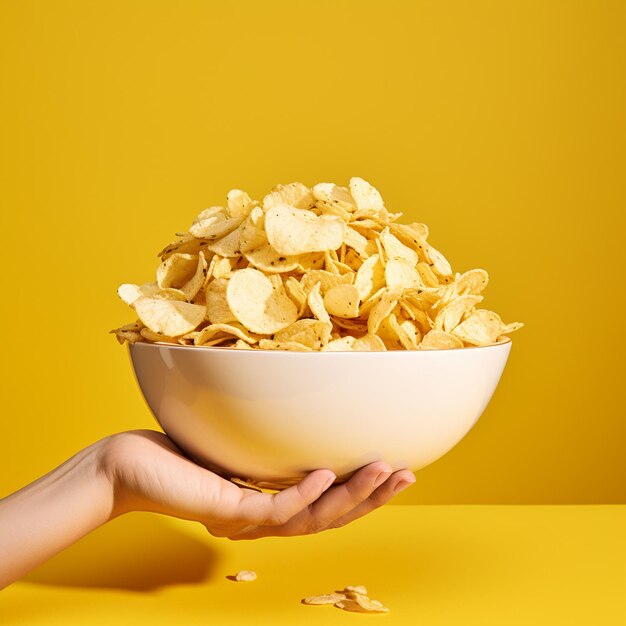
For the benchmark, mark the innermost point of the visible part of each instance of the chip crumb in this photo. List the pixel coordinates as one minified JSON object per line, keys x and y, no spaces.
{"x":245,"y":575}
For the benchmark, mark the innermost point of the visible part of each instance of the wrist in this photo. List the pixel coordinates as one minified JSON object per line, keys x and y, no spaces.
{"x":112,"y":462}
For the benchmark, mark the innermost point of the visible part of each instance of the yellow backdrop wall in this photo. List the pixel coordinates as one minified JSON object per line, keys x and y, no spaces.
{"x":500,"y":125}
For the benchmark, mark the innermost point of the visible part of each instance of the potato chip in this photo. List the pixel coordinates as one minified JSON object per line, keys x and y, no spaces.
{"x":450,"y":315}
{"x":327,"y":280}
{"x":176,"y":270}
{"x":343,"y":344}
{"x":128,"y":293}
{"x":187,"y":244}
{"x":214,"y":227}
{"x":217,"y":309}
{"x":327,"y":598}
{"x":228,"y":246}
{"x":149,"y":335}
{"x":370,"y":277}
{"x":394,"y":248}
{"x":316,"y":303}
{"x":400,"y":275}
{"x":296,"y":195}
{"x":480,"y":329}
{"x":439,"y":340}
{"x":290,"y":346}
{"x":239,"y":203}
{"x":233,"y":329}
{"x":257,"y":305}
{"x":330,"y":195}
{"x":293,"y":231}
{"x":427,"y":275}
{"x":405,"y":332}
{"x":245,"y":576}
{"x":382,"y":309}
{"x":296,"y":293}
{"x":343,"y":301}
{"x":169,"y":317}
{"x":473,"y":281}
{"x":311,"y":333}
{"x":367,"y":198}
{"x":369,"y":343}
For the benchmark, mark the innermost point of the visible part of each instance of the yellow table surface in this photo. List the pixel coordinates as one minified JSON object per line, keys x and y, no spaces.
{"x":430,"y":564}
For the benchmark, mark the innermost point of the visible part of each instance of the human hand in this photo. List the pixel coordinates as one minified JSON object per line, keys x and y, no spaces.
{"x":150,"y":473}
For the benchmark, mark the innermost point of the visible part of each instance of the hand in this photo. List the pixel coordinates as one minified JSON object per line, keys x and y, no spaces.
{"x":149,"y":473}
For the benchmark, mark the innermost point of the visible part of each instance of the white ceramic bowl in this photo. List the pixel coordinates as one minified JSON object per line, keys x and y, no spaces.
{"x":273,"y":416}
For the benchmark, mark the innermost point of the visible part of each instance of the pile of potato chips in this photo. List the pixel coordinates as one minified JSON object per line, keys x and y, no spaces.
{"x":327,"y":268}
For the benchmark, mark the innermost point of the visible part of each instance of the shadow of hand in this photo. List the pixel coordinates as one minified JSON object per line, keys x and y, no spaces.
{"x":137,"y":552}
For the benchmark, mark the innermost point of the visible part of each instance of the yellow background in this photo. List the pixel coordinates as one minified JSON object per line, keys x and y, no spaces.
{"x":500,"y":125}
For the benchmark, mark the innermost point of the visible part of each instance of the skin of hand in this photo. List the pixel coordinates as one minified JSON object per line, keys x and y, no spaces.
{"x":144,"y":470}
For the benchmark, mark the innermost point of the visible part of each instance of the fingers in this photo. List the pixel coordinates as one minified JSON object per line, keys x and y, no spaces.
{"x":397,"y":482}
{"x":277,"y":509}
{"x":324,"y":510}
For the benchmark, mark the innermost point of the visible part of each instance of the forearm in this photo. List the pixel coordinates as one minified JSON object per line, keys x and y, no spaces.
{"x":50,"y":514}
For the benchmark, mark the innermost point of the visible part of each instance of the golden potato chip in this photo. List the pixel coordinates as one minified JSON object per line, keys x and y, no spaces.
{"x":327,"y":598}
{"x":410,"y":235}
{"x":187,"y":244}
{"x":149,"y":335}
{"x":252,"y":235}
{"x":369,"y":343}
{"x":257,"y":305}
{"x":290,"y":346}
{"x":242,"y":345}
{"x":239,"y":203}
{"x":214,"y":330}
{"x":343,"y":344}
{"x":329,"y":195}
{"x":512,"y":327}
{"x":293,"y":231}
{"x":370,"y":277}
{"x":473,"y":281}
{"x":405,"y":332}
{"x":176,"y":270}
{"x":194,"y":284}
{"x":480,"y":329}
{"x":342,"y":300}
{"x":169,"y":317}
{"x":427,"y":275}
{"x":214,"y":227}
{"x":311,"y":333}
{"x":296,"y":293}
{"x":217,"y":309}
{"x":394,"y":248}
{"x":228,"y":246}
{"x":368,"y":305}
{"x":361,"y":604}
{"x":128,"y":292}
{"x":296,"y":195}
{"x":327,"y":280}
{"x":129,"y":332}
{"x":382,"y":309}
{"x":363,"y":246}
{"x":367,"y":198}
{"x":316,"y":303}
{"x":355,"y":589}
{"x":400,"y":275}
{"x":439,"y":340}
{"x":450,"y":315}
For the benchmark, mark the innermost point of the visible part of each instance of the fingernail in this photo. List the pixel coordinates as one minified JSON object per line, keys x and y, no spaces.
{"x":403,"y":484}
{"x":329,"y":482}
{"x":381,"y":478}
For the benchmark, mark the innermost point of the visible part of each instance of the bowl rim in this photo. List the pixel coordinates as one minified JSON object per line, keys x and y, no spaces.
{"x":163,"y":344}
